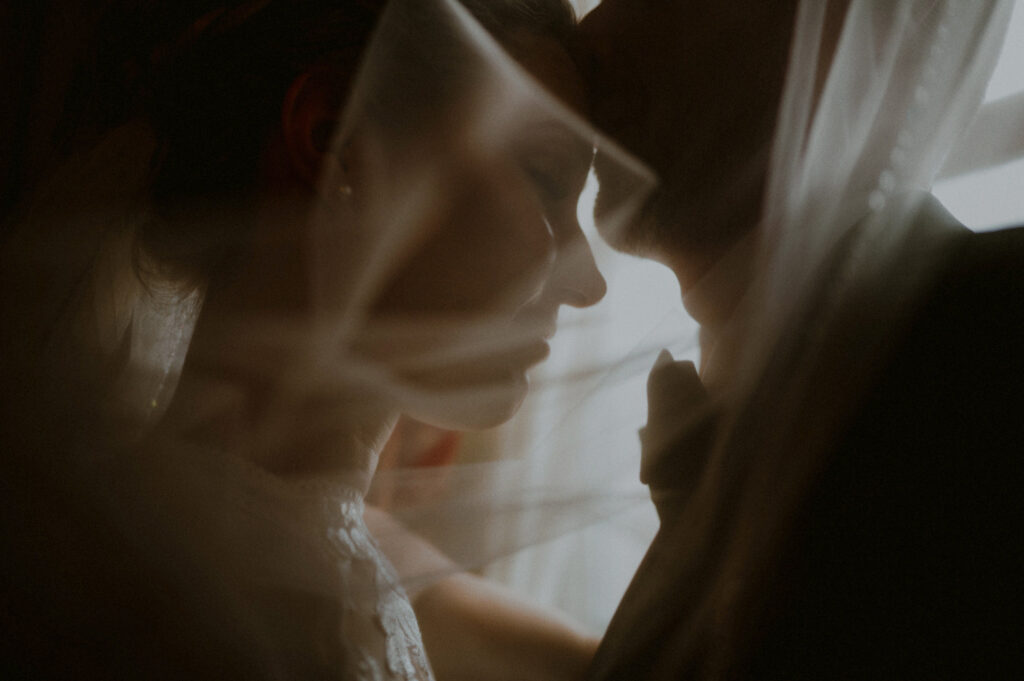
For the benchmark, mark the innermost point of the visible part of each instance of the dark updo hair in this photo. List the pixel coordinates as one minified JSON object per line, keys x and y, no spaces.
{"x":210,"y":79}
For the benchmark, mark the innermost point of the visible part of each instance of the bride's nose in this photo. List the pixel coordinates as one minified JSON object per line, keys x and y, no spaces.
{"x":575,"y":279}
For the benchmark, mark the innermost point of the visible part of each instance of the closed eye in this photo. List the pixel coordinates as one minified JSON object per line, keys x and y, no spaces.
{"x":551,"y":188}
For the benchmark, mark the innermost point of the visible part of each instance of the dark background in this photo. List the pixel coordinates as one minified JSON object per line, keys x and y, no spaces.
{"x":42,"y":42}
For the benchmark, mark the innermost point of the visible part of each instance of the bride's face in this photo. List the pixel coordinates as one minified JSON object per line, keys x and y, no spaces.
{"x":471,"y":306}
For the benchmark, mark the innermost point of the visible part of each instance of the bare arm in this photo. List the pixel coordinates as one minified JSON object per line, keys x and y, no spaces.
{"x":476,"y":630}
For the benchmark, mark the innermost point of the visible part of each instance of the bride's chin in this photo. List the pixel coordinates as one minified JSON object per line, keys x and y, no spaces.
{"x":504,"y":405}
{"x":473,"y":407}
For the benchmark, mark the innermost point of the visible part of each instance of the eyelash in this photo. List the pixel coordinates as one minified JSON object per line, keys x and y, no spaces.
{"x":552,"y":190}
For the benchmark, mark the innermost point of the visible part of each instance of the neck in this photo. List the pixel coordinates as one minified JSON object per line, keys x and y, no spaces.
{"x":269,"y":419}
{"x":712,"y":294}
{"x":248,"y":387}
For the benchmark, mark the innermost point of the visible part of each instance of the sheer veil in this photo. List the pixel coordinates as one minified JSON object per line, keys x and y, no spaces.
{"x":880,"y":99}
{"x":868,"y":117}
{"x":440,"y":113}
{"x":876,"y":95}
{"x":903,"y":84}
{"x":550,"y":472}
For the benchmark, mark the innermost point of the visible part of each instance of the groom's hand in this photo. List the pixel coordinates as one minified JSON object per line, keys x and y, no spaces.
{"x":680,"y":429}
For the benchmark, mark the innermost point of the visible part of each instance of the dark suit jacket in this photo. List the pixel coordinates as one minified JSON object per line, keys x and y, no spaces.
{"x":891,"y":551}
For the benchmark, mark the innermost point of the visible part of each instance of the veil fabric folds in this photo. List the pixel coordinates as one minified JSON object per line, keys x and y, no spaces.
{"x":452,"y":162}
{"x":901,"y":88}
{"x":850,"y":230}
{"x":867,"y":119}
{"x":551,"y":471}
{"x":441,"y":114}
{"x":876,"y":95}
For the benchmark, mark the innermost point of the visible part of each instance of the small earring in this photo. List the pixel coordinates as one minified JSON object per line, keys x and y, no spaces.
{"x":345,"y":190}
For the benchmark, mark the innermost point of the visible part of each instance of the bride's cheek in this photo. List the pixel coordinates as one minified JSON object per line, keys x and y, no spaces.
{"x":527,"y":239}
{"x":511,"y":244}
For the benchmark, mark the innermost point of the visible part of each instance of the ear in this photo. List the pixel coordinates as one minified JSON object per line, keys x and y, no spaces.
{"x":309,"y":114}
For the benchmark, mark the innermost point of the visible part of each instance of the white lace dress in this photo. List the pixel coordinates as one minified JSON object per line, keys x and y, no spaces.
{"x":288,"y":567}
{"x":379,"y":633}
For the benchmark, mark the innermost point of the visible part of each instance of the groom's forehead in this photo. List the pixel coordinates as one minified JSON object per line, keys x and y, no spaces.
{"x":621,"y":20}
{"x":674,"y":23}
{"x":658,"y":41}
{"x":670,"y":57}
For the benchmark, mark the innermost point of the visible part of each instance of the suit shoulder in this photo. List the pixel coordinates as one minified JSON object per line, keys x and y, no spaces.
{"x":990,"y":262}
{"x":968,"y":327}
{"x":960,"y":361}
{"x":910,"y":525}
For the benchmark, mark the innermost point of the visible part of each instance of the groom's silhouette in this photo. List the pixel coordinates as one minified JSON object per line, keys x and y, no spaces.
{"x":892,"y":549}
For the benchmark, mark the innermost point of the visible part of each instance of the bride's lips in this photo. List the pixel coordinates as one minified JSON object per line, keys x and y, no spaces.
{"x":504,"y":366}
{"x":536,"y":351}
{"x":504,"y":356}
{"x":532,"y":353}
